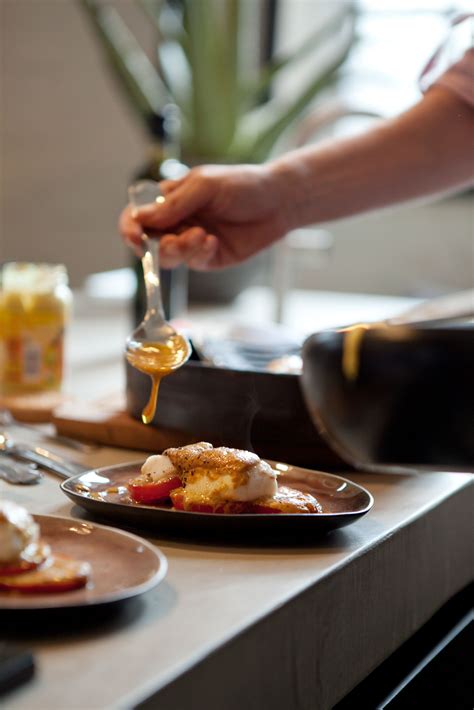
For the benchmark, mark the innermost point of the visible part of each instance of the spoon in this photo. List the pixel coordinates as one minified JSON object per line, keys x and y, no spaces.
{"x":16,"y":473}
{"x":155,"y":347}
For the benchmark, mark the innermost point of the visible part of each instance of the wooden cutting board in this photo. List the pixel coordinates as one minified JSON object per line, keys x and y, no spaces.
{"x":34,"y":408}
{"x":107,"y":423}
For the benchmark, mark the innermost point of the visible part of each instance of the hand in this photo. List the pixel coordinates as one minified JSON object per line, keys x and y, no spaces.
{"x":213,"y":217}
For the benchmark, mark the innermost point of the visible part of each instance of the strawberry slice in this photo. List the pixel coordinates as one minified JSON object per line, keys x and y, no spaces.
{"x":154,"y":491}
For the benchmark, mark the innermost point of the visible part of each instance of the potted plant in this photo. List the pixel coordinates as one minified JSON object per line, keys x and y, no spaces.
{"x":226,"y":109}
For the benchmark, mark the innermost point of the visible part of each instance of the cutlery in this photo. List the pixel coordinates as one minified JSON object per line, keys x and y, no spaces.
{"x":40,"y":456}
{"x":154,"y":347}
{"x":7,"y":419}
{"x":16,"y":473}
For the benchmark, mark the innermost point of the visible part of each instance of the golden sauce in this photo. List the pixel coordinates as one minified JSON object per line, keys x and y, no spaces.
{"x":158,"y":360}
{"x":352,"y":345}
{"x":353,"y":337}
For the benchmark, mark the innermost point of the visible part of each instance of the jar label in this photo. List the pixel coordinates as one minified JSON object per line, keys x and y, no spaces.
{"x":31,"y":361}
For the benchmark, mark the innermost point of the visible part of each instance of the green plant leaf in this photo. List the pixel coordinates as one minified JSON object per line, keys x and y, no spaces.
{"x":173,"y":65}
{"x":262,"y":127}
{"x":176,"y":73}
{"x":198,"y":68}
{"x":252,"y":92}
{"x":212,"y":45}
{"x":152,"y":9}
{"x":138,"y":77}
{"x":166,"y":19}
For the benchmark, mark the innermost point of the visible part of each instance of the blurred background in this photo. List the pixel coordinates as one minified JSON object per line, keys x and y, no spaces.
{"x":75,"y":130}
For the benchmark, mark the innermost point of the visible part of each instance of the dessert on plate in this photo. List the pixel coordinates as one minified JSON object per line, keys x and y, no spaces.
{"x":203,"y":479}
{"x":27,"y":564}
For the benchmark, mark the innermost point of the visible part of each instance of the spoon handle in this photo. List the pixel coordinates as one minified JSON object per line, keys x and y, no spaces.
{"x":151,"y":273}
{"x":46,"y":459}
{"x":146,"y":192}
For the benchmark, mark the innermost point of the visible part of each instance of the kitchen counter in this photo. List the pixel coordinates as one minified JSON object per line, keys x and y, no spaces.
{"x":232,"y":626}
{"x":282,"y":627}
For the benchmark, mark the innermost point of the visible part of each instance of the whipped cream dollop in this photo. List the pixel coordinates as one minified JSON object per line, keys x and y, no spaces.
{"x":157,"y":467}
{"x":18,"y":531}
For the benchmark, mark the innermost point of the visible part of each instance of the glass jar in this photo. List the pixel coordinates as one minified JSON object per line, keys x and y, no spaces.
{"x":35,"y":303}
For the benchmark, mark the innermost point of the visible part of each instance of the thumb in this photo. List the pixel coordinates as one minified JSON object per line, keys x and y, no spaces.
{"x":177,"y":206}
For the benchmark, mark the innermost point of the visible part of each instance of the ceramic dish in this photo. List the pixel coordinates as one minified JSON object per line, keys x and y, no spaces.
{"x":102,"y":492}
{"x":385,"y":397}
{"x":123,"y":565}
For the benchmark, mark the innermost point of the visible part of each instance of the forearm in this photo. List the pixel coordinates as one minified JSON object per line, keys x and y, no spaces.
{"x":426,"y":151}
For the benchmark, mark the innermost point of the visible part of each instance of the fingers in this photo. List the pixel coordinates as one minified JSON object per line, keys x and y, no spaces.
{"x":202,"y":260}
{"x":187,"y":244}
{"x":131,"y":230}
{"x":170,"y":252}
{"x":182,"y":199}
{"x":167,"y":186}
{"x":193,"y":247}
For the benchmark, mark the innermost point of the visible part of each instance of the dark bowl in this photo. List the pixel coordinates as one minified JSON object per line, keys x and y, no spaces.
{"x":260,"y":411}
{"x":396,"y":395}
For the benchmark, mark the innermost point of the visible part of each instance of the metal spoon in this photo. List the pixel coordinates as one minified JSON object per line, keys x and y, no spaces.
{"x":7,"y":419}
{"x":43,"y":457}
{"x":155,"y":347}
{"x":16,"y":473}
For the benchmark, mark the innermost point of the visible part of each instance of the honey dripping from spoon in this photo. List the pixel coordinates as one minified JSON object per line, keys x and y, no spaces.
{"x":158,"y":359}
{"x":154,"y":348}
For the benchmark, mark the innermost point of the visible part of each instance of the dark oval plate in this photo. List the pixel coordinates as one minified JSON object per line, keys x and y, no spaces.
{"x":102,"y":492}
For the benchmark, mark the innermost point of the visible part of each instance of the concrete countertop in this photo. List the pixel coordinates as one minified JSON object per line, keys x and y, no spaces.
{"x":294,"y":625}
{"x":251,"y":626}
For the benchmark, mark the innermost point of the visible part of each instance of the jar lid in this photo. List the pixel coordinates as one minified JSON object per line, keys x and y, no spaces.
{"x":37,"y":278}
